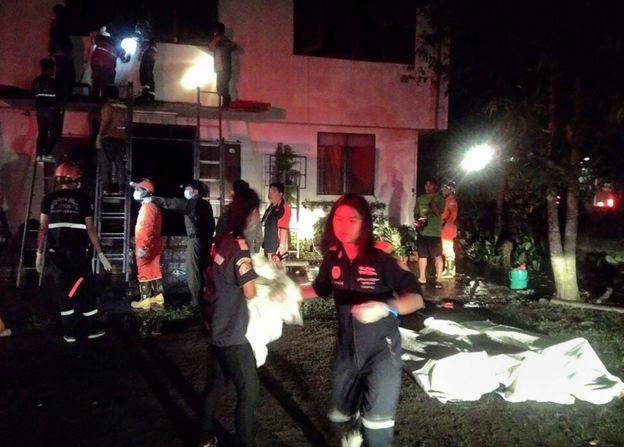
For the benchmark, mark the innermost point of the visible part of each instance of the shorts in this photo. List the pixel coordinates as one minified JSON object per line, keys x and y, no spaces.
{"x":428,"y":246}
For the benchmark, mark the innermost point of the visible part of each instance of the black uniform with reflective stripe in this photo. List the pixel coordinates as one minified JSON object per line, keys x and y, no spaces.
{"x":66,"y":210}
{"x":45,"y":91}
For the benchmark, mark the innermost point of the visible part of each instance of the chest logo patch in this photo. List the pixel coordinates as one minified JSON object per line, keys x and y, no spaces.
{"x":336,"y":272}
{"x":218,"y":259}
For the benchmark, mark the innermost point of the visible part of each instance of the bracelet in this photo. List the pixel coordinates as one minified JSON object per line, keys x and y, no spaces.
{"x":392,"y":311}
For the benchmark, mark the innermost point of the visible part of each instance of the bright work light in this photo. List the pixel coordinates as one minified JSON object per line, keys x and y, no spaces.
{"x":477,"y":157}
{"x":129,"y":44}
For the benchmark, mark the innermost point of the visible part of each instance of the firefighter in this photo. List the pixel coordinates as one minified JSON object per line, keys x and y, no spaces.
{"x":200,"y":225}
{"x":49,"y":119}
{"x":370,"y":290}
{"x":103,"y":62}
{"x":449,"y":229}
{"x":111,"y":140}
{"x":65,"y":230}
{"x":148,"y":61}
{"x":148,"y":248}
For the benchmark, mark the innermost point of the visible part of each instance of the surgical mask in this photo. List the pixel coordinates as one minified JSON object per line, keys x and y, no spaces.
{"x":138,"y":195}
{"x":188,"y":194}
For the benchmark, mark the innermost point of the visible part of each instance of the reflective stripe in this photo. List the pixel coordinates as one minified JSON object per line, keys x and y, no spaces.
{"x":78,"y":226}
{"x":47,"y":95}
{"x":377,"y":425}
{"x":120,"y":106}
{"x":337,"y":416}
{"x":105,"y":50}
{"x":88,"y":314}
{"x":67,"y":312}
{"x":76,"y":285}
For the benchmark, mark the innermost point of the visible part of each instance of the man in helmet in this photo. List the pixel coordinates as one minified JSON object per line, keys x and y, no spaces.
{"x":148,"y":247}
{"x":66,"y":231}
{"x":449,"y":228}
{"x":200,"y":225}
{"x":104,"y":62}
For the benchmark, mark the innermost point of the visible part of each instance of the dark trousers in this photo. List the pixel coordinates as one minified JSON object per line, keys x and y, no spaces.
{"x":100,"y":78}
{"x":236,"y":363}
{"x":65,"y":75}
{"x":49,"y":126}
{"x":369,"y":383}
{"x":71,"y":276}
{"x":196,"y":255}
{"x":223,"y":87}
{"x":146,"y":76}
{"x":114,"y":152}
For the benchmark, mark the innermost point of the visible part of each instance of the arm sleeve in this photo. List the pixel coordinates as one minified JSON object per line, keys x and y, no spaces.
{"x":151,"y":221}
{"x":86,"y":206}
{"x":45,"y":205}
{"x":174,"y":204}
{"x":397,"y":279}
{"x":322,"y":284}
{"x":243,"y":268}
{"x":284,"y":221}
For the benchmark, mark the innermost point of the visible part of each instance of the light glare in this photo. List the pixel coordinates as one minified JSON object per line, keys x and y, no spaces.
{"x":477,"y":157}
{"x":200,"y":74}
{"x":129,"y":44}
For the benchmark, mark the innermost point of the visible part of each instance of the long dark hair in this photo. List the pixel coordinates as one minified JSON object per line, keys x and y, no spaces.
{"x":365,"y":241}
{"x":243,"y":204}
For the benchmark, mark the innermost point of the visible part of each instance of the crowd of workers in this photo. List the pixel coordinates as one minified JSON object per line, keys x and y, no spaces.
{"x":368,"y":285}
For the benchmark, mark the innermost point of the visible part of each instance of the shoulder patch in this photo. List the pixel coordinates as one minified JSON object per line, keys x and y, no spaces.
{"x":243,"y":267}
{"x":242,"y":261}
{"x":218,"y":259}
{"x":242,"y":243}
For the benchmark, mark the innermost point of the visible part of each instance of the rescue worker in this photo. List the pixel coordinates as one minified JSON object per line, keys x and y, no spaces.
{"x":60,"y":48}
{"x":233,"y":278}
{"x":111,"y":141}
{"x":148,"y":55}
{"x":370,"y":290}
{"x":49,"y":118}
{"x":222,"y":48}
{"x":276,"y":220}
{"x":449,"y":229}
{"x":66,"y":228}
{"x":200,"y":225}
{"x":148,"y":247}
{"x":103,"y":62}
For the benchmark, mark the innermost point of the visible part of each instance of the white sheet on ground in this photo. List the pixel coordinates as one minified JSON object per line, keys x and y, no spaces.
{"x":276,"y":302}
{"x":450,"y":363}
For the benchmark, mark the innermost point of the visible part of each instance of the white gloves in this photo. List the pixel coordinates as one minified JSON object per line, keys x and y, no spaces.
{"x":105,"y":262}
{"x":371,"y":311}
{"x":98,"y":142}
{"x":39,"y":262}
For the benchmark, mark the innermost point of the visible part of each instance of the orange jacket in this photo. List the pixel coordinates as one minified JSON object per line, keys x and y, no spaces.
{"x":147,"y":230}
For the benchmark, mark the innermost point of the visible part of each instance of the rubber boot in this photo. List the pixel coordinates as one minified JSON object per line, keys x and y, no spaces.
{"x":144,"y":303}
{"x":157,"y":300}
{"x":449,"y":269}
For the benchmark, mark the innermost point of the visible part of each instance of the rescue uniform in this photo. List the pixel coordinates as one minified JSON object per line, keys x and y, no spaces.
{"x":275,"y":217}
{"x":69,"y":257}
{"x":367,"y":369}
{"x":147,"y":238}
{"x":113,"y":116}
{"x":200,"y":226}
{"x":222,"y":48}
{"x":49,"y":120}
{"x":228,"y":317}
{"x":146,"y":69}
{"x":103,"y":63}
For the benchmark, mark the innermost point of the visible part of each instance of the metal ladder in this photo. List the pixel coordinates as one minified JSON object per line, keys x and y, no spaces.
{"x":47,"y":175}
{"x":112,"y":211}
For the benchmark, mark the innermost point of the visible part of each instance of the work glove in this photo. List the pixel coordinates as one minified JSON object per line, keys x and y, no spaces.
{"x":98,"y":142}
{"x":105,"y":262}
{"x":141,"y":253}
{"x":147,"y":199}
{"x":370,"y":311}
{"x":39,"y":262}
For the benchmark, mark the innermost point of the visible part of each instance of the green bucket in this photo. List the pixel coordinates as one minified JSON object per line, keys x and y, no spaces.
{"x":518,"y":279}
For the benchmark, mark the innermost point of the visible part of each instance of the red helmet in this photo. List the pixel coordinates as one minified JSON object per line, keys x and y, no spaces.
{"x":67,"y":172}
{"x":145,"y":184}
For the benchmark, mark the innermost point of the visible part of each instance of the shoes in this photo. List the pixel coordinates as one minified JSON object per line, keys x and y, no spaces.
{"x":69,"y":338}
{"x":157,"y":301}
{"x":438,"y":285}
{"x":5,"y":333}
{"x":48,"y":159}
{"x":40,"y":158}
{"x":96,"y":335}
{"x":212,"y":442}
{"x":422,"y":283}
{"x":143,"y":304}
{"x":352,"y":439}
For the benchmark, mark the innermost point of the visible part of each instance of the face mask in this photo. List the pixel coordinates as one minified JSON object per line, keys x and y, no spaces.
{"x":188,"y":194}
{"x":137,"y":195}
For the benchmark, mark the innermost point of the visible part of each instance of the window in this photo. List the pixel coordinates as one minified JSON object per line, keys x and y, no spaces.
{"x":177,"y":21}
{"x":346,"y":163}
{"x":369,"y":30}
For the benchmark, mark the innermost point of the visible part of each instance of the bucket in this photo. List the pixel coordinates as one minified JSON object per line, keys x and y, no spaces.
{"x":518,"y":278}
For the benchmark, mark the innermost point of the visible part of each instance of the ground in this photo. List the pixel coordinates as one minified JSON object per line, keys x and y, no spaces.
{"x":128,"y":389}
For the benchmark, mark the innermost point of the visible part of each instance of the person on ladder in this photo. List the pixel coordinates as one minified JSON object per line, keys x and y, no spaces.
{"x":49,"y":119}
{"x":200,"y":225}
{"x":148,"y":248}
{"x":65,"y":230}
{"x":148,"y":61}
{"x":111,"y":141}
{"x":449,"y":229}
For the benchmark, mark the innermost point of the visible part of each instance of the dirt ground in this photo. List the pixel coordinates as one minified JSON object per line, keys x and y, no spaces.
{"x":128,"y":390}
